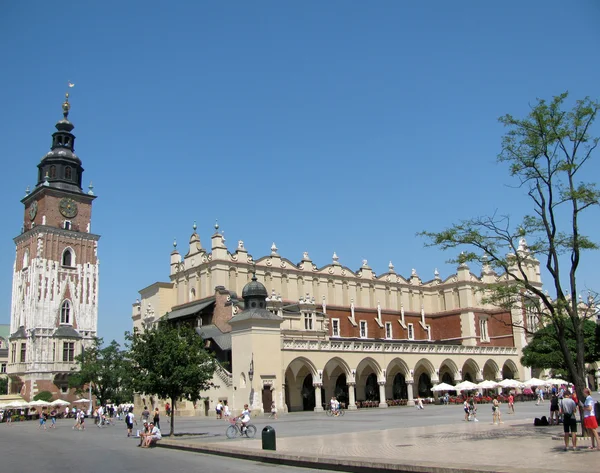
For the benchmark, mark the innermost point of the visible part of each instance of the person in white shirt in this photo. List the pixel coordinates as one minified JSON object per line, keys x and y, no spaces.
{"x":589,"y":419}
{"x":245,"y":417}
{"x":219,"y":410}
{"x":226,"y":411}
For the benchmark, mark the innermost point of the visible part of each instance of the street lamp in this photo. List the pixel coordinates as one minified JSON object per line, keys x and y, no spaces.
{"x":251,"y":370}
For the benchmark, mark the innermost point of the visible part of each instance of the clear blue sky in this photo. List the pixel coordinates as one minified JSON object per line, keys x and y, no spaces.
{"x":323,"y":126}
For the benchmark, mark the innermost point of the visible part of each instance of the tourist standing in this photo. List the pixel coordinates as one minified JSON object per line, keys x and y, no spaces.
{"x":554,"y":409}
{"x":156,"y":418}
{"x":567,"y":409}
{"x":168,"y":409}
{"x":219,"y":410}
{"x":466,"y":409}
{"x":589,"y":419}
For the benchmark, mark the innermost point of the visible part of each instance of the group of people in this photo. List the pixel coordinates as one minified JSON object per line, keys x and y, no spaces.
{"x":568,"y":411}
{"x":222,"y":410}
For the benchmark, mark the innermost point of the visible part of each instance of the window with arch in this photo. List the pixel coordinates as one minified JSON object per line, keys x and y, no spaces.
{"x":52,"y":172}
{"x":65,"y":313}
{"x":25,"y":259}
{"x":68,"y":258}
{"x":483,"y":330}
{"x":67,"y":172}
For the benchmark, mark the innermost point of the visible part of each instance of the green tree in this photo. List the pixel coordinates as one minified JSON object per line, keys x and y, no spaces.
{"x":106,"y":369}
{"x":43,"y":396}
{"x":543,"y":350}
{"x":171,"y":362}
{"x":547,"y":152}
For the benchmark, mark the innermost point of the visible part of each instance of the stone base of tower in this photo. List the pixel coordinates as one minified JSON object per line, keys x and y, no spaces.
{"x":28,"y":385}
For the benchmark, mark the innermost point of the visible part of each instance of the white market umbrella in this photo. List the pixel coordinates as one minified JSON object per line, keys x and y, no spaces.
{"x":509,"y":383}
{"x":16,"y":405}
{"x":59,"y":403}
{"x":556,"y":381}
{"x":443,"y":387}
{"x":487,"y":384}
{"x":81,"y":401}
{"x":466,"y":386}
{"x":39,"y":403}
{"x":535,"y":382}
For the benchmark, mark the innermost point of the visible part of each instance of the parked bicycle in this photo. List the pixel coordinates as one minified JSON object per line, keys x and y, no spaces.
{"x":237,"y":430}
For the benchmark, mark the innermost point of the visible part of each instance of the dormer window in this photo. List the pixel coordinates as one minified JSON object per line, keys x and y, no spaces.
{"x":52,"y":172}
{"x":65,"y":313}
{"x":68,"y":173}
{"x":68,"y":258}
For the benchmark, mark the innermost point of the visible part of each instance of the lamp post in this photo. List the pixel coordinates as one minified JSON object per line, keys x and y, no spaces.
{"x":251,"y":370}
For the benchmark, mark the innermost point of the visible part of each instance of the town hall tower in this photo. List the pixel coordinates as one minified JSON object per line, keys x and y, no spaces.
{"x":54,"y":310}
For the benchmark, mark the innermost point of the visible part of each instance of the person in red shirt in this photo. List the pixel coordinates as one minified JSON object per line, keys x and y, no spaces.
{"x":511,"y":403}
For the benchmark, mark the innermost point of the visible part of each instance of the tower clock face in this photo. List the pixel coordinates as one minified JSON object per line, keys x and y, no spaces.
{"x":68,"y":207}
{"x":33,"y":208}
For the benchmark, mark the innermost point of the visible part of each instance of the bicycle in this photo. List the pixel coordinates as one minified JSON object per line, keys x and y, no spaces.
{"x":330,"y":412}
{"x":235,"y":429}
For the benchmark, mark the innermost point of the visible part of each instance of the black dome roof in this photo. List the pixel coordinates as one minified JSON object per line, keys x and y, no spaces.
{"x":254,"y":289}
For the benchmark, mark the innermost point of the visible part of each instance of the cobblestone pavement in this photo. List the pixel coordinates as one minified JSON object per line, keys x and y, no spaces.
{"x":372,"y":437}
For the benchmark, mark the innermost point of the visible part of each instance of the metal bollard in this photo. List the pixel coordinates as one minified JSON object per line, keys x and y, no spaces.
{"x":268,"y":438}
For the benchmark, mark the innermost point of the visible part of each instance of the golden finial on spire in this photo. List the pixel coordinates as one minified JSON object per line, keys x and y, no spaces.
{"x":66,"y":106}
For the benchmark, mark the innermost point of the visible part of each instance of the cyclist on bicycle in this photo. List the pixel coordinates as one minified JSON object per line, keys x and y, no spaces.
{"x":245,"y":417}
{"x":335,"y":406}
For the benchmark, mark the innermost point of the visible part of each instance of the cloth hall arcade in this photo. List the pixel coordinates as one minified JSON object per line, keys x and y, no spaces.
{"x":301,"y":334}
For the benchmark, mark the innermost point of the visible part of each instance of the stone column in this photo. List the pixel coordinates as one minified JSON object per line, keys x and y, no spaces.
{"x":351,"y":400}
{"x":382,"y":401}
{"x":409,"y":389}
{"x":318,"y":401}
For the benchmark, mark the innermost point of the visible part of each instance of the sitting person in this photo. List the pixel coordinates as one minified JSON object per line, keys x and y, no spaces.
{"x":143,"y":433}
{"x":152,"y":436}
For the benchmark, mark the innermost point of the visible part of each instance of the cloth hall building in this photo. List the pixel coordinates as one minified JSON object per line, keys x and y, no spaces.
{"x":300,"y":334}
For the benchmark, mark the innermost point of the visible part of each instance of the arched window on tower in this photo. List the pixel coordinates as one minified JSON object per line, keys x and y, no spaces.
{"x":25,"y":259}
{"x":52,"y":172}
{"x":68,"y":173}
{"x":68,"y":258}
{"x":65,"y":313}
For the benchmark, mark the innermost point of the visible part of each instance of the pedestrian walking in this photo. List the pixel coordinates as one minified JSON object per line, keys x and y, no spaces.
{"x":53,"y":419}
{"x":42,"y":420}
{"x":226,"y":410}
{"x":129,"y":420}
{"x":554,"y":409}
{"x":511,"y":403}
{"x":273,"y":411}
{"x":496,"y":416}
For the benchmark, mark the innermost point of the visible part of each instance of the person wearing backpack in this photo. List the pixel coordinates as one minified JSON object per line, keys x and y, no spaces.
{"x":129,"y":420}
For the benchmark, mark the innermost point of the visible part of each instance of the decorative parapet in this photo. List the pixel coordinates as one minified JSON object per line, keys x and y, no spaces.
{"x":224,"y":376}
{"x":390,"y":347}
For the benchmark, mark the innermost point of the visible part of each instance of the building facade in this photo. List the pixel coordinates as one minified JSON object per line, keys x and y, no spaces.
{"x":54,"y":310}
{"x":334,"y":331}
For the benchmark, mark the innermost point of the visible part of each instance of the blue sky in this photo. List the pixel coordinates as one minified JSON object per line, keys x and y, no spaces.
{"x":321,"y":126}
